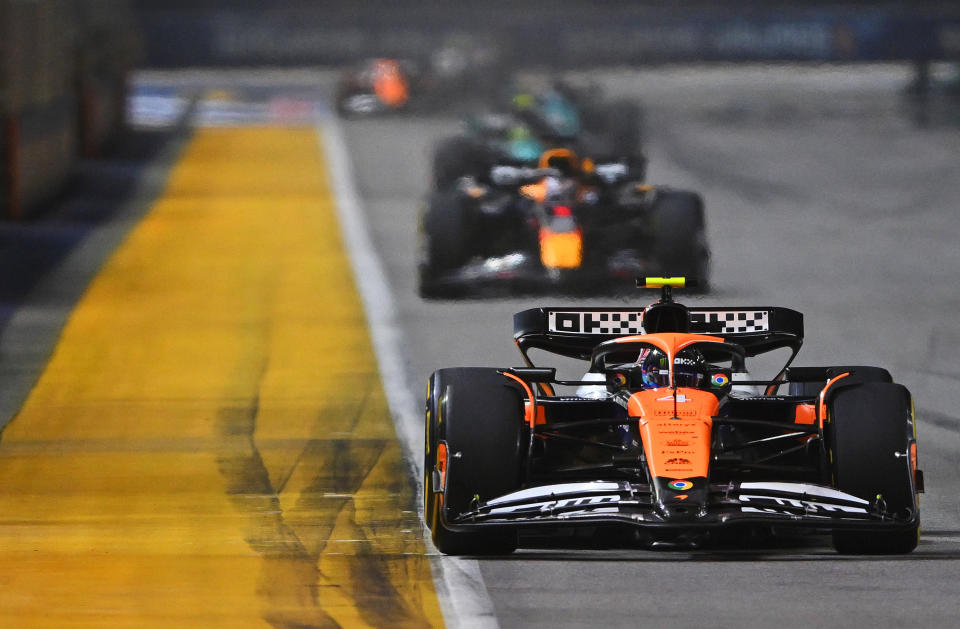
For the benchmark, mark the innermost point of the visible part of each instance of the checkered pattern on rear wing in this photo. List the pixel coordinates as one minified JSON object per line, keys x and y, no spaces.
{"x":627,"y":322}
{"x":729,"y":321}
{"x":616,"y":322}
{"x":575,"y":332}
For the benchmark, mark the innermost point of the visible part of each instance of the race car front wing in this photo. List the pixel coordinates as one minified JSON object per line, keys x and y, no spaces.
{"x":762,"y":503}
{"x":522,"y":271}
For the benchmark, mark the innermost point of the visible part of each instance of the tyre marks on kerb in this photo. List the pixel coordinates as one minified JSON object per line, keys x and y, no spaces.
{"x":295,"y":543}
{"x":288,"y":574}
{"x":310,"y":456}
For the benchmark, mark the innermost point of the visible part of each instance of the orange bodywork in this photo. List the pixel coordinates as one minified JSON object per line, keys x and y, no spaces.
{"x":676,"y":431}
{"x":540,"y":415}
{"x":805,"y":414}
{"x":675,"y":426}
{"x":535,"y":191}
{"x":565,"y":154}
{"x":822,"y":404}
{"x":389,"y":84}
{"x":442,"y":465}
{"x":530,"y":409}
{"x":561,"y":250}
{"x":913,"y":460}
{"x":670,"y":342}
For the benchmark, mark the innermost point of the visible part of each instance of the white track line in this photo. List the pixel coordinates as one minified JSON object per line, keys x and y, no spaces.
{"x":459,"y":582}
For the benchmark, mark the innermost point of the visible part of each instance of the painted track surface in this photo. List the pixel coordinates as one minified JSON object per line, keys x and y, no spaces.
{"x":824,"y":194}
{"x":209,"y":444}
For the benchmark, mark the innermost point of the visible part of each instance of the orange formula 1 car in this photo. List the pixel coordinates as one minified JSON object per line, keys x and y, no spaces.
{"x":463,"y":70}
{"x":377,"y":86}
{"x":668,"y":438}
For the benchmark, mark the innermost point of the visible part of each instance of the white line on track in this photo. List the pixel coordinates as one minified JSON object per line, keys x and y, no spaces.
{"x":459,"y":582}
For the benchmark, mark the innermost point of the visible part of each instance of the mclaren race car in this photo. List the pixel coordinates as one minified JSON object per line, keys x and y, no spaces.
{"x":569,"y":225}
{"x":668,"y":438}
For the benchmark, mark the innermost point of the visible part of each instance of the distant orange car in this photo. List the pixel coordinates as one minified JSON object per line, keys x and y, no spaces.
{"x":668,"y":437}
{"x":458,"y":71}
{"x":378,"y":85}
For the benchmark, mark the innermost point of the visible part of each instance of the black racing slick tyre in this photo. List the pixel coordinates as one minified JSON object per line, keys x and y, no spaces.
{"x":474,"y":444}
{"x":681,"y":237}
{"x":444,"y":232}
{"x":870,"y":435}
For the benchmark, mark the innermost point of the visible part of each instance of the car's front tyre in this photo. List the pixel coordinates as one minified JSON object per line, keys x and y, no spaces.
{"x":869,"y":438}
{"x":473,"y":451}
{"x":444,"y":233}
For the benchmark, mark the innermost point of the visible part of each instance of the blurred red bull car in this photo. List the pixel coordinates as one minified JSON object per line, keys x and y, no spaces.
{"x":570,"y":225}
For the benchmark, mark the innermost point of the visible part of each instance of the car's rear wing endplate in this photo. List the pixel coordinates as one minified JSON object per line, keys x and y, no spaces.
{"x":574,"y":332}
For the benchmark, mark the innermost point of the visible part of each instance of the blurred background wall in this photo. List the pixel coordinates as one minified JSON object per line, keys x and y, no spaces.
{"x":569,"y":33}
{"x":63,"y":72}
{"x":64,"y":64}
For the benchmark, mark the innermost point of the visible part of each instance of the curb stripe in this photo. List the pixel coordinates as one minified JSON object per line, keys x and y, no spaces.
{"x":460,"y":586}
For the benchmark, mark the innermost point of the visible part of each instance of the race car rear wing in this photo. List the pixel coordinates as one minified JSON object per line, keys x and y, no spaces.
{"x":574,"y":332}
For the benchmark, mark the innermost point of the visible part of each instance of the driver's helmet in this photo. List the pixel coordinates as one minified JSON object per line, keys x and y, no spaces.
{"x":689,"y":369}
{"x":654,"y":369}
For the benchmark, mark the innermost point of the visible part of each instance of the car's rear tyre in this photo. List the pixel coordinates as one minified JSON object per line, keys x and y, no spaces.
{"x":444,"y":231}
{"x":681,"y":237}
{"x":477,"y":415}
{"x":456,"y":157}
{"x":869,"y":434}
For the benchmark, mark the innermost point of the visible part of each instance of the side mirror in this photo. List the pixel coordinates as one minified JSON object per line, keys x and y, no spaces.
{"x":719,"y":380}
